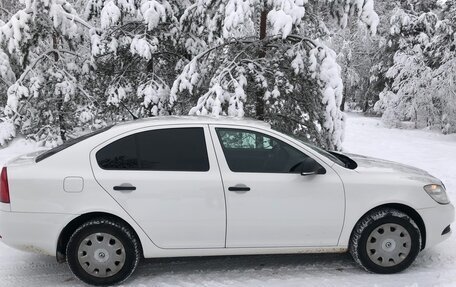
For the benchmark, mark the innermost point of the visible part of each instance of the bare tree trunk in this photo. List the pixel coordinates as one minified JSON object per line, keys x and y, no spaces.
{"x":342,"y":105}
{"x":55,"y":46}
{"x":259,"y":107}
{"x":150,"y":70}
{"x":366,"y":105}
{"x":366,"y":101}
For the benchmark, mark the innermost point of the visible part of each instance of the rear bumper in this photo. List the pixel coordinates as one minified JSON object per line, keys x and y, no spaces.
{"x":32,"y":232}
{"x":437,"y":220}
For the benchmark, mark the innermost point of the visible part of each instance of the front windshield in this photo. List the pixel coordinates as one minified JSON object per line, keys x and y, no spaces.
{"x":321,"y":151}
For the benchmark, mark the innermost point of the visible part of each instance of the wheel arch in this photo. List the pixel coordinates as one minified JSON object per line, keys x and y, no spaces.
{"x":405,"y":209}
{"x":71,"y":227}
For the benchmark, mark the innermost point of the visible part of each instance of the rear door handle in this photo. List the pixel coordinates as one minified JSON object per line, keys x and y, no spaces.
{"x":124,"y":187}
{"x":239,"y":188}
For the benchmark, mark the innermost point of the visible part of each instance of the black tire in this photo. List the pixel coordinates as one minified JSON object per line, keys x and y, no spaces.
{"x":364,"y":239}
{"x":123,"y":236}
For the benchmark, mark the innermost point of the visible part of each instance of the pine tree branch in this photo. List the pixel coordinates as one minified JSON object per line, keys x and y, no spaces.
{"x":6,"y":11}
{"x":40,"y":58}
{"x":69,"y":16}
{"x":302,"y":39}
{"x":293,"y":119}
{"x":77,"y":19}
{"x":169,"y":53}
{"x":230,"y":42}
{"x":122,"y":26}
{"x":119,"y":77}
{"x":8,"y":83}
{"x":83,"y":91}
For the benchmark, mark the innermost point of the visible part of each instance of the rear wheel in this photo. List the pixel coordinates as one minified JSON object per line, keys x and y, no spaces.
{"x":385,"y":241}
{"x":103,"y":252}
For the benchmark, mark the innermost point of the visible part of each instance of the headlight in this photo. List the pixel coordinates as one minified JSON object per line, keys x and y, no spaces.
{"x":437,"y":192}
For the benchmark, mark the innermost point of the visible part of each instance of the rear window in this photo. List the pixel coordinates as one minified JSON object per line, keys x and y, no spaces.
{"x":177,"y":149}
{"x":69,"y":143}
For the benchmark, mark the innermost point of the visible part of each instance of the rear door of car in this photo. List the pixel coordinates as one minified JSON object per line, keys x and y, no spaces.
{"x":167,"y":178}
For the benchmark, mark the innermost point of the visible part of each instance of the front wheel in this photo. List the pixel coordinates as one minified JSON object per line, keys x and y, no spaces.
{"x":103,"y":252}
{"x":385,"y":241}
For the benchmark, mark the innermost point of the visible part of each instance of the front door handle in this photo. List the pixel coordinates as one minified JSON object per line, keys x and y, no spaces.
{"x":124,"y":187}
{"x":239,"y":188}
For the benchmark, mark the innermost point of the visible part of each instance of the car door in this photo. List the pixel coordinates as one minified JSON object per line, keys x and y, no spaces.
{"x":269,"y":202}
{"x":167,"y":179}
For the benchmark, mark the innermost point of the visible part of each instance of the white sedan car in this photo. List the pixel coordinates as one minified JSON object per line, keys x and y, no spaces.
{"x":200,"y":186}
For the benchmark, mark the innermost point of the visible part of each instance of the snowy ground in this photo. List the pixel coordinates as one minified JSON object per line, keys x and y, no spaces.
{"x":436,"y":267}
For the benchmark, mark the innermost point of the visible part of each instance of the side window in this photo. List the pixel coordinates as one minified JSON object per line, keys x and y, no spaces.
{"x":120,"y":154}
{"x":177,"y":149}
{"x":249,"y":151}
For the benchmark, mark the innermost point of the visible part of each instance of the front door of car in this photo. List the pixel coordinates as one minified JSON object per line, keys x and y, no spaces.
{"x":167,"y":179}
{"x":269,"y":202}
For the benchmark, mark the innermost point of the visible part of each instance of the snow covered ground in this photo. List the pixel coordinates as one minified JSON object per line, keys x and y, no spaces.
{"x":431,"y":151}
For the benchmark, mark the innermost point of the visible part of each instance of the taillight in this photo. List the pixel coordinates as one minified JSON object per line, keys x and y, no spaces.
{"x":4,"y":189}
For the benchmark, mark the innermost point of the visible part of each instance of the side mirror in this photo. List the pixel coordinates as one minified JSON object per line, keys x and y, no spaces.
{"x":318,"y":170}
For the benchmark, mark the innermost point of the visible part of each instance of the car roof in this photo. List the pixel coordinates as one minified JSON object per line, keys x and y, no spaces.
{"x":163,"y":120}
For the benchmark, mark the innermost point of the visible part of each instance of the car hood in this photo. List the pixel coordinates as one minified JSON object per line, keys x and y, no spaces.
{"x":375,"y":165}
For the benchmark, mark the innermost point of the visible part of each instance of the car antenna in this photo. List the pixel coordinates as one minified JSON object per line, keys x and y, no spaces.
{"x":133,"y":115}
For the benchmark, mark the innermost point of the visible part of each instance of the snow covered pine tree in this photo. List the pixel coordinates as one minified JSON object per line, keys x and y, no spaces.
{"x":136,"y":52}
{"x":252,"y":57}
{"x":233,"y":57}
{"x":421,"y":78}
{"x":40,"y":63}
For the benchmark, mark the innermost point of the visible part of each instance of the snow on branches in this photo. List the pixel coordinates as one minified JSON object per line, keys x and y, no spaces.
{"x":110,"y":14}
{"x":116,"y":94}
{"x":6,"y":73}
{"x":144,"y":47}
{"x":131,"y":40}
{"x":16,"y":92}
{"x":37,"y":60}
{"x":154,"y":95}
{"x":421,"y":82}
{"x":15,"y":32}
{"x":288,"y":95}
{"x":159,"y":57}
{"x":238,"y":18}
{"x":326,"y":70}
{"x":233,"y":82}
{"x":227,"y":92}
{"x":153,"y":13}
{"x":285,"y":14}
{"x":363,"y":9}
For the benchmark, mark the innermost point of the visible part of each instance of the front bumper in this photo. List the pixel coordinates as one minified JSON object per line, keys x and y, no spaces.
{"x":436,"y":220}
{"x":32,"y":232}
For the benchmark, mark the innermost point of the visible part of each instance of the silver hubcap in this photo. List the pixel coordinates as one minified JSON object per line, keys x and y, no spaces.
{"x":101,"y":255}
{"x":388,"y":245}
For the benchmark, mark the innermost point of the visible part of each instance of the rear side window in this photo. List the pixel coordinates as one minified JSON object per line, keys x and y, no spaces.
{"x":121,"y":154}
{"x":178,"y":149}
